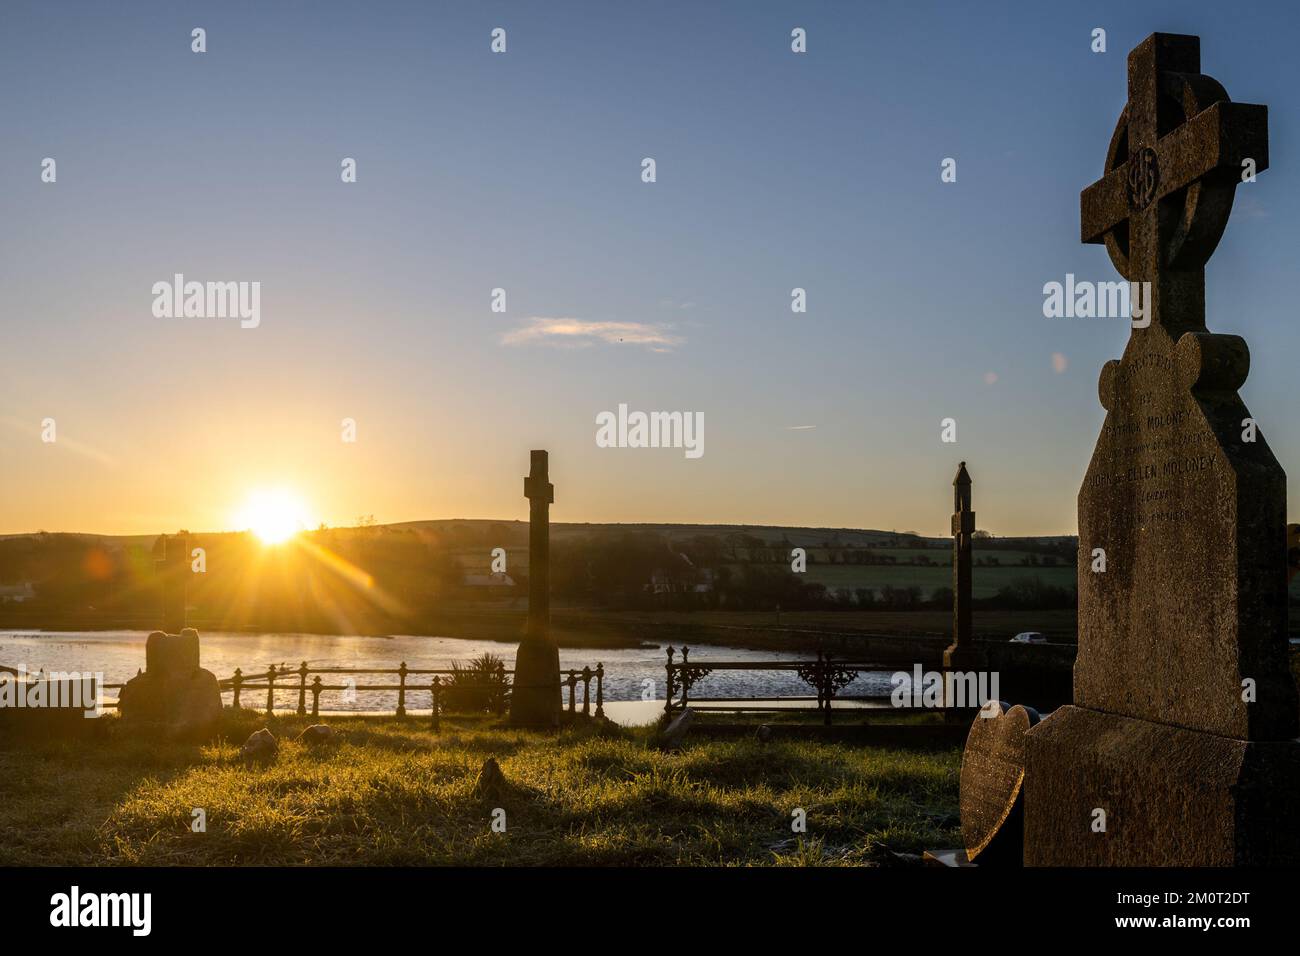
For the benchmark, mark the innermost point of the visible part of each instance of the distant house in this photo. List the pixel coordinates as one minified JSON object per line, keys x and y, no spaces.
{"x":697,"y":581}
{"x":497,"y":579}
{"x":16,"y":593}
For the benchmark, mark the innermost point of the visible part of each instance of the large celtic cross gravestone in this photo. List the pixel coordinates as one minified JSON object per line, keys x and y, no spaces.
{"x":1189,"y":516}
{"x":1181,"y":680}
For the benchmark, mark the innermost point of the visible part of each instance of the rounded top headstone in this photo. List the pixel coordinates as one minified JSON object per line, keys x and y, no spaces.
{"x":992,"y":773}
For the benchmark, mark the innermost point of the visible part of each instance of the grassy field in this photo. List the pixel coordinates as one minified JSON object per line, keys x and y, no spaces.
{"x":985,"y":581}
{"x":394,"y":792}
{"x":799,"y":630}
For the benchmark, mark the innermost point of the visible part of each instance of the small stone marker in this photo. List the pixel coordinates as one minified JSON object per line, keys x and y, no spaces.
{"x":491,"y":782}
{"x":992,"y":773}
{"x":676,"y":730}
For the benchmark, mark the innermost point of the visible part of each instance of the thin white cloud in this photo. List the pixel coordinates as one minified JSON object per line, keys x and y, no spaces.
{"x":581,"y":333}
{"x":799,"y":428}
{"x":61,"y":441}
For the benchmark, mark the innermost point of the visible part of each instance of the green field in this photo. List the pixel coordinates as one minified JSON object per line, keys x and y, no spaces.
{"x":985,"y":581}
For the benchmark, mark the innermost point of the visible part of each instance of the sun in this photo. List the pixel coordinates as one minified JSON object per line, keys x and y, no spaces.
{"x":273,"y":514}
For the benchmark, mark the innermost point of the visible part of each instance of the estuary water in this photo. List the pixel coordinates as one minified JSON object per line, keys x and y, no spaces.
{"x":631,"y":674}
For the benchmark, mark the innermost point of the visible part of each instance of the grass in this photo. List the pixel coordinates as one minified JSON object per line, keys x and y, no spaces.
{"x":393,"y":792}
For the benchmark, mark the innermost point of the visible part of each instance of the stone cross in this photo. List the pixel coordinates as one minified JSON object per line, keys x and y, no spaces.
{"x":541,"y":495}
{"x":1187,"y":518}
{"x":1179,"y":747}
{"x":535,"y":698}
{"x":1171,"y":171}
{"x":172,"y":575}
{"x":961,"y":654}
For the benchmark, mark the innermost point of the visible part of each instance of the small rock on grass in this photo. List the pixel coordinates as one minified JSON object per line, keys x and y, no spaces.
{"x":261,"y":747}
{"x":316,"y":734}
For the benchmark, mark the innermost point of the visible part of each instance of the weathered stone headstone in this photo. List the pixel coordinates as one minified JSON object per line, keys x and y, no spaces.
{"x":535,"y":696}
{"x":174,"y":694}
{"x":992,"y":774}
{"x":1178,"y":749}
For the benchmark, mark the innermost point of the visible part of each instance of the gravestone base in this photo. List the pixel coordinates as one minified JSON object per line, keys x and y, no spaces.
{"x":965,"y":659}
{"x":535,"y":696}
{"x":1171,"y":796}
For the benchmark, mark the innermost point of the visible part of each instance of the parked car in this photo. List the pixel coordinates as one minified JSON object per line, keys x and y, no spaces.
{"x":1029,"y":637}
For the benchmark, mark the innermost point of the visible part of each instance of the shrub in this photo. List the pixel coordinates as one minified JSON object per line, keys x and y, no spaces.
{"x":479,"y":686}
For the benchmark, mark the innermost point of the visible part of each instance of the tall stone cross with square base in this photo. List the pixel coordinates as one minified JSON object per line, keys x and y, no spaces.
{"x":535,"y":697}
{"x":1181,"y":736}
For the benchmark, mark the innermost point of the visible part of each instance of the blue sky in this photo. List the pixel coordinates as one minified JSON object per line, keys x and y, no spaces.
{"x":522,"y":171}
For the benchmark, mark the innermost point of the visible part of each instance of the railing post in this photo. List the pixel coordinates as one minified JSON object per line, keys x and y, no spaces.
{"x":668,"y":705}
{"x":573,"y":692}
{"x":302,"y":689}
{"x":820,"y":673}
{"x":436,"y":688}
{"x":686,"y":677}
{"x":234,"y":683}
{"x":586,"y":690}
{"x":829,"y":693}
{"x":315,"y":696}
{"x":828,"y":689}
{"x":270,"y":691}
{"x":600,"y":689}
{"x":401,"y":690}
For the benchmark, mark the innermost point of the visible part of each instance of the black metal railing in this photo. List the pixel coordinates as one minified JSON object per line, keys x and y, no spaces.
{"x":827,"y":676}
{"x":442,"y":681}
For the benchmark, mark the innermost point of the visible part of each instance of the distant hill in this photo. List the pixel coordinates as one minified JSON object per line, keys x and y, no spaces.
{"x":517,"y":532}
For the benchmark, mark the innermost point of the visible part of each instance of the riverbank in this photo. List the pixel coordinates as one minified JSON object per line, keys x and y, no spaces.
{"x":394,"y":792}
{"x":598,"y":628}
